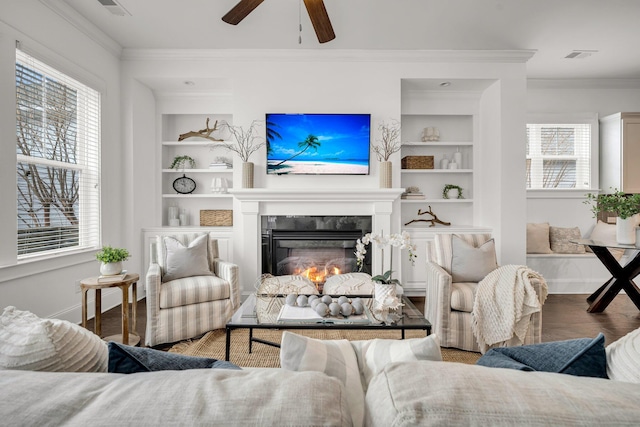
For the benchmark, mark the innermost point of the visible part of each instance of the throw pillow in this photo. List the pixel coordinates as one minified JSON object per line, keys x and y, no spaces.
{"x":287,"y":284}
{"x":606,"y":232}
{"x":335,"y":358}
{"x":184,"y":261}
{"x":584,"y":357}
{"x":126,"y":359}
{"x":538,"y":238}
{"x":471,"y":264}
{"x":559,"y":239}
{"x":623,"y":358}
{"x":28,"y":342}
{"x":374,"y":355}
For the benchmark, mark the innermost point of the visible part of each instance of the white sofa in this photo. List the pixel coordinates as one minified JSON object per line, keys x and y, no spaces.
{"x":404,"y":393}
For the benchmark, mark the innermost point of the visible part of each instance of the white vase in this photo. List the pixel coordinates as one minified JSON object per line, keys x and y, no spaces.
{"x":382,"y":291}
{"x":247,"y":175}
{"x":386,"y":174}
{"x":110,"y":268}
{"x":626,"y":231}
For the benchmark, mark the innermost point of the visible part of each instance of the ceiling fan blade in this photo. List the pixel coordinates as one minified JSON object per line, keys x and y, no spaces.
{"x":240,"y":11}
{"x":320,"y":20}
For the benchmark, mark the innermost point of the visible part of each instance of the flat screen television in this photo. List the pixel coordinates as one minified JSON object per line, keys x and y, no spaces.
{"x":318,"y":144}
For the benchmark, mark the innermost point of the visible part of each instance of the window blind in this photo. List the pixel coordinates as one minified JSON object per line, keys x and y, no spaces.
{"x":58,"y":160}
{"x":559,"y":156}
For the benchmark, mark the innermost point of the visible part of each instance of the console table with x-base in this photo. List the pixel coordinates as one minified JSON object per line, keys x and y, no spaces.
{"x":251,"y":317}
{"x":621,"y":276}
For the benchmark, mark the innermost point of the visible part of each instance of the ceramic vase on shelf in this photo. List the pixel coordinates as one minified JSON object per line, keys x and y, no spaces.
{"x":626,"y":231}
{"x":247,"y":175}
{"x":386,"y":171}
{"x":457,"y":157}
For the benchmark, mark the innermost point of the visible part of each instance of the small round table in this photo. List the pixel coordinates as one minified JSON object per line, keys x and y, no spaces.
{"x":99,"y":283}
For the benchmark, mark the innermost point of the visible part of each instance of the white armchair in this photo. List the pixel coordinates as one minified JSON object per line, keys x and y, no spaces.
{"x":449,"y":302}
{"x":190,"y":290}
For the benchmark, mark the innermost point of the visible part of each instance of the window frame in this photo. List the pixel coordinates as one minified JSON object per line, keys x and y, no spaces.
{"x":78,"y":253}
{"x":569,"y":118}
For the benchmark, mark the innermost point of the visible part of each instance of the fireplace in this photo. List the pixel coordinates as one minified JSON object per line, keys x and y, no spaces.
{"x":253,"y":206}
{"x":313,"y":246}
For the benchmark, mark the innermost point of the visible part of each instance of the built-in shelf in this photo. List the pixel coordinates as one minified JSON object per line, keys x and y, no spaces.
{"x":197,"y":196}
{"x":437,"y":143}
{"x":437,"y":200}
{"x":194,"y":143}
{"x":184,"y":171}
{"x":437,"y":171}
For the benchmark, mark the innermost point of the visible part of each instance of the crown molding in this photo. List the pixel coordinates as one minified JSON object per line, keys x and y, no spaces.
{"x":83,"y":25}
{"x":355,"y":55}
{"x":583,"y":83}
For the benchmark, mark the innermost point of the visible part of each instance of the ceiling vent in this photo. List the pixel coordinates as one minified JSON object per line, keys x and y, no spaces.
{"x":580,"y":54}
{"x":114,"y":7}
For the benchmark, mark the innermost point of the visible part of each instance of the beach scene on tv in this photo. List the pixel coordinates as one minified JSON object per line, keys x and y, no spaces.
{"x":309,"y":144}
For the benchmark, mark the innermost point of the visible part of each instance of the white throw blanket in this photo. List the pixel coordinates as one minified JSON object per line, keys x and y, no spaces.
{"x":503,"y":305}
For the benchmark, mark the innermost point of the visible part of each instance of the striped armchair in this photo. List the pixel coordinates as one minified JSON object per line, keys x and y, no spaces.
{"x":448,"y":304}
{"x":188,"y":306}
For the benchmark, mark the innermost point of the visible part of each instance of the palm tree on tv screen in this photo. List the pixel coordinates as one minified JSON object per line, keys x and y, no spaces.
{"x":310,"y":142}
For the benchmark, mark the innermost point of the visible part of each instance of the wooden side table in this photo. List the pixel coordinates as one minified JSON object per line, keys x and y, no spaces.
{"x":97,"y":284}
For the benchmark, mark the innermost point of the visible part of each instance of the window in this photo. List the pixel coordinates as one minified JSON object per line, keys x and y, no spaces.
{"x":559,"y":155}
{"x":58,"y":163}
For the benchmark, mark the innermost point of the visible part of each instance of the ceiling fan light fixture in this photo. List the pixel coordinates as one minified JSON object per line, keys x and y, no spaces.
{"x":580,"y":54}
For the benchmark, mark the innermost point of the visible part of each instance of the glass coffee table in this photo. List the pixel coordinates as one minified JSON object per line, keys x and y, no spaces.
{"x":262,"y":312}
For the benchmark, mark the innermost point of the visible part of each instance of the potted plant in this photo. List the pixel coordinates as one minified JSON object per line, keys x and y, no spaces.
{"x":247,"y":142}
{"x":180,"y":162}
{"x":111,"y":259}
{"x":624,"y":206}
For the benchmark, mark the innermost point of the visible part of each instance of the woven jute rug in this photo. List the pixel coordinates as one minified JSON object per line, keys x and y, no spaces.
{"x":213,"y":344}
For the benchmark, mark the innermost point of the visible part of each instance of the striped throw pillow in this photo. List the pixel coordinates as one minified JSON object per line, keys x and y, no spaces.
{"x":30,"y":343}
{"x":335,"y":358}
{"x":374,"y":355}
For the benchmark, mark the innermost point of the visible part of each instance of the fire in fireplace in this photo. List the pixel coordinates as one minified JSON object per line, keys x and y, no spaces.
{"x":316,"y":247}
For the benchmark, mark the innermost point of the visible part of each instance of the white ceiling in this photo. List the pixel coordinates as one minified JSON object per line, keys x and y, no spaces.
{"x":552,"y":27}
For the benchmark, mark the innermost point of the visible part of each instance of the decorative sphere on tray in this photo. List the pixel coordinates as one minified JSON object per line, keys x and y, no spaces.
{"x":327,"y":299}
{"x":358,"y":307}
{"x":346,"y":309}
{"x":291,"y":299}
{"x":342,"y":300}
{"x":322,"y":309}
{"x":314,"y":302}
{"x":311,"y":298}
{"x":334,"y":308}
{"x":302,"y":301}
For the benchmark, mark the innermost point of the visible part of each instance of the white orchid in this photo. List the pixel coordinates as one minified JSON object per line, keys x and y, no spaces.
{"x":402,"y":241}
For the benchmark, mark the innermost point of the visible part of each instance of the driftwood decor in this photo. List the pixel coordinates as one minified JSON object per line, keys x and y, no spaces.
{"x":433,"y":220}
{"x":202,"y":133}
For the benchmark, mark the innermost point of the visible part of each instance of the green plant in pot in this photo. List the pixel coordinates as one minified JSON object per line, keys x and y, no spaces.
{"x":111,"y":259}
{"x":180,"y":162}
{"x":625,"y":206}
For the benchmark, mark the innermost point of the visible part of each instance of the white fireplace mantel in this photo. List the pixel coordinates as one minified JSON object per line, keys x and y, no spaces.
{"x":252,"y":203}
{"x":315,"y":195}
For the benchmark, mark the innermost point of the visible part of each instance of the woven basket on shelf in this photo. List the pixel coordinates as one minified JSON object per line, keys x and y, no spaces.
{"x":216,"y":218}
{"x":417,"y":162}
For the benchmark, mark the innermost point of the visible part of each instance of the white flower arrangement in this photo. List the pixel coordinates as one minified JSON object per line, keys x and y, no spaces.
{"x":402,"y":241}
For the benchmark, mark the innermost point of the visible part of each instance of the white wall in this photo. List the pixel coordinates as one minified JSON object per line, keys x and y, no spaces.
{"x":323,"y":81}
{"x":602,"y":97}
{"x":48,"y":288}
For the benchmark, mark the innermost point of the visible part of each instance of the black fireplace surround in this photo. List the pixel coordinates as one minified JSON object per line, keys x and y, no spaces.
{"x":316,"y":246}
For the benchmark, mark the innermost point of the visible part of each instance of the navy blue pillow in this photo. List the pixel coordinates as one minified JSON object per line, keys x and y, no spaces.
{"x":584,"y":357}
{"x":126,"y":359}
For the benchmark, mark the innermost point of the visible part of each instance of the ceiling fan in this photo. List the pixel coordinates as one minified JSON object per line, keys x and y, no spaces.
{"x":317,"y":13}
